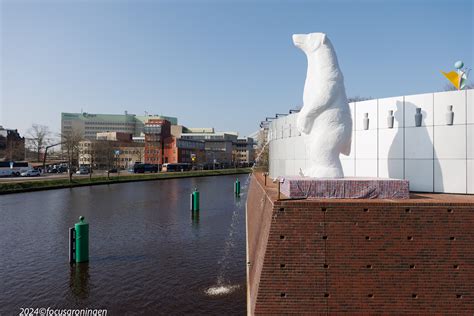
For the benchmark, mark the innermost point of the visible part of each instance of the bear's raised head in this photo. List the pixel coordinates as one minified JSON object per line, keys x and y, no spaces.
{"x":309,"y":43}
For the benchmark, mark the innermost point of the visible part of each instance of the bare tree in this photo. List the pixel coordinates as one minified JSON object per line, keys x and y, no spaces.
{"x":450,"y":87}
{"x":15,"y":151}
{"x":139,"y":154}
{"x":38,"y":136}
{"x":358,"y":99}
{"x":70,"y":147}
{"x":262,"y":151}
{"x":104,"y":151}
{"x":92,"y":152}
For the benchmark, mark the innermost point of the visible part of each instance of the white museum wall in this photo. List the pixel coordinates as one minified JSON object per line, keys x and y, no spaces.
{"x":434,"y":157}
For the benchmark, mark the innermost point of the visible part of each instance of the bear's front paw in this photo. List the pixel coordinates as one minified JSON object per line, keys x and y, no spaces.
{"x":303,"y":124}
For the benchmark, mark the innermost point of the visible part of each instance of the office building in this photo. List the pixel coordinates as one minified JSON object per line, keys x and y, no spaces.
{"x":88,"y":124}
{"x":244,"y":151}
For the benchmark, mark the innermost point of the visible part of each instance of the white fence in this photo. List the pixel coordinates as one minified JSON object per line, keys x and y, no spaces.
{"x":434,"y":157}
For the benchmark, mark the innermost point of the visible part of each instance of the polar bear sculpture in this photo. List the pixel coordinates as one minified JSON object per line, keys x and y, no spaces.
{"x":325,"y":119}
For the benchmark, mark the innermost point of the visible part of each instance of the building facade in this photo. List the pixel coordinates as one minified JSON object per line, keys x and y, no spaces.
{"x":218,"y":146}
{"x":244,"y":151}
{"x":111,"y":150}
{"x":185,"y":151}
{"x":158,"y":140}
{"x":12,"y":145}
{"x":88,"y":124}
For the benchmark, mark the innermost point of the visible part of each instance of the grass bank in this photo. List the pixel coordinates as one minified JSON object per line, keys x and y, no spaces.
{"x":49,"y":184}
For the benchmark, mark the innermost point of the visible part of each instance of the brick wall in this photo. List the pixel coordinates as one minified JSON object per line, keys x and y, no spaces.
{"x":258,"y":213}
{"x":361,"y":256}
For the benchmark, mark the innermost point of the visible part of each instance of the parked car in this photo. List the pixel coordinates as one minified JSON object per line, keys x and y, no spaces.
{"x":31,"y":173}
{"x":113,"y":170}
{"x":62,"y":169}
{"x":53,"y":170}
{"x":82,"y":170}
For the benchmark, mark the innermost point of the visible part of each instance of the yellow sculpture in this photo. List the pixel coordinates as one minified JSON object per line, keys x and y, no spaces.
{"x":459,"y":78}
{"x":453,"y":77}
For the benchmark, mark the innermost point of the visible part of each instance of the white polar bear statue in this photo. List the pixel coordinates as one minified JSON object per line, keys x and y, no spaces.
{"x":325,"y":119}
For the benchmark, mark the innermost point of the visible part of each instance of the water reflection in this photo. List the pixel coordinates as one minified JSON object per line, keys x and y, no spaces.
{"x":195,"y":219}
{"x":79,"y":280}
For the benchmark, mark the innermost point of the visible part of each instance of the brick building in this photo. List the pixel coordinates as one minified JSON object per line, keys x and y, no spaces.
{"x":12,"y":145}
{"x":183,"y":150}
{"x":158,"y":139}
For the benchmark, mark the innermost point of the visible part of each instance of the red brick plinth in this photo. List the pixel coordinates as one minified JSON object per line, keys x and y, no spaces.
{"x":328,"y":256}
{"x":345,"y":188}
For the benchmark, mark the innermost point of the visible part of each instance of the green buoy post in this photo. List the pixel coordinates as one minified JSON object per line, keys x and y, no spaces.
{"x":82,"y":240}
{"x":237,"y":187}
{"x":195,"y":200}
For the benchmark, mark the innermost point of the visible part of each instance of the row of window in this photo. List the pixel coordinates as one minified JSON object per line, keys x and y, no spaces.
{"x":107,"y":128}
{"x":126,"y":152}
{"x":109,"y":123}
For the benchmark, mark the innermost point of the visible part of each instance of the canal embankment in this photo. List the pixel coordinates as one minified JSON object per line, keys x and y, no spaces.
{"x":29,"y":185}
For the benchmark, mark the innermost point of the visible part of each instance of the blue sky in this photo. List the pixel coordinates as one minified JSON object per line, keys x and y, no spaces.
{"x":225,"y":64}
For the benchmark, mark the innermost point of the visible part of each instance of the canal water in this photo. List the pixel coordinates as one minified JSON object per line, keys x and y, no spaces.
{"x":148,"y":254}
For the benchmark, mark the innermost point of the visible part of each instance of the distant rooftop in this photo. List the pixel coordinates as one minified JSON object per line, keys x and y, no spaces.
{"x":111,"y":118}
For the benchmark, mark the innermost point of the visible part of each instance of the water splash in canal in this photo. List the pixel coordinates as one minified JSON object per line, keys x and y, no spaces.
{"x":223,"y":285}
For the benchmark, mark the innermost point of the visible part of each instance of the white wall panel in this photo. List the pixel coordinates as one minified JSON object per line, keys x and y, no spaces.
{"x":366,"y":144}
{"x":289,"y":167}
{"x":450,"y":175}
{"x":419,"y":142}
{"x":419,"y":173}
{"x":391,"y":143}
{"x":455,"y":98}
{"x":299,"y":147}
{"x":391,"y":168}
{"x":450,"y":142}
{"x":470,"y":106}
{"x":470,"y":141}
{"x":470,"y":176}
{"x":366,"y":168}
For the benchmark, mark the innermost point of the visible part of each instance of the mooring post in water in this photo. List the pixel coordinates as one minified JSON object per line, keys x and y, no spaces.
{"x":237,"y":187}
{"x":72,"y":245}
{"x":82,"y":240}
{"x":195,"y":200}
